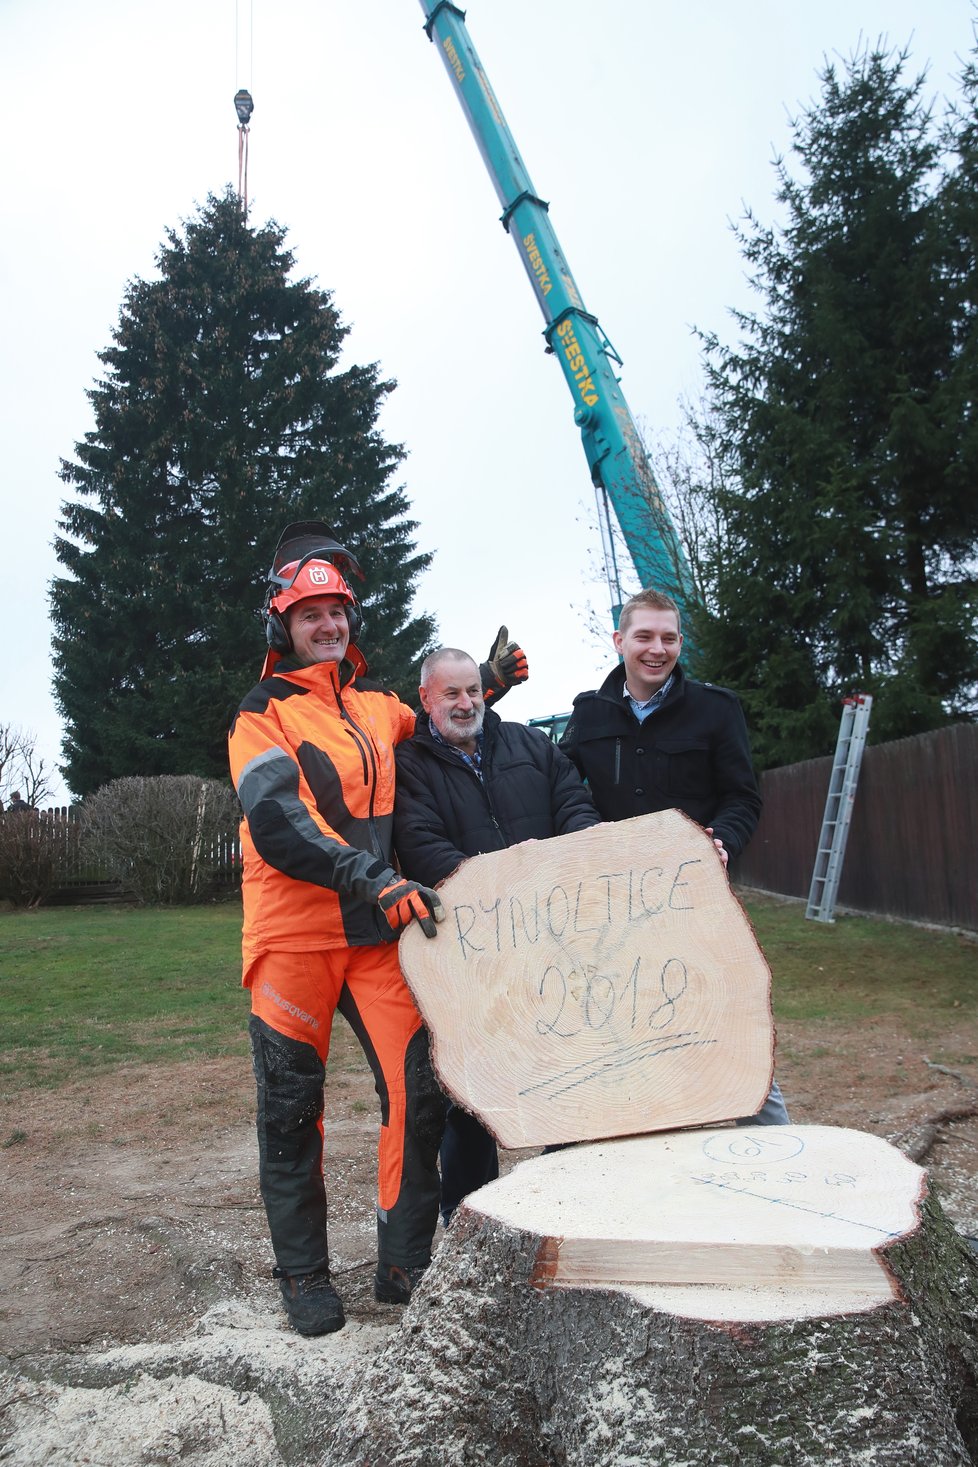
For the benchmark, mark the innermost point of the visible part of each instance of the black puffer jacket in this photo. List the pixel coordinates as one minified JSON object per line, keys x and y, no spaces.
{"x":444,"y":813}
{"x":691,"y":754}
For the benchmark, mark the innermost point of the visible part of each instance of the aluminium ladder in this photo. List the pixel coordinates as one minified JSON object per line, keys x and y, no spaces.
{"x":838,"y":807}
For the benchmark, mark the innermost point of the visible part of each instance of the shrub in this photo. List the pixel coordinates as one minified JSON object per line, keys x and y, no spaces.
{"x":38,"y":851}
{"x":164,"y":838}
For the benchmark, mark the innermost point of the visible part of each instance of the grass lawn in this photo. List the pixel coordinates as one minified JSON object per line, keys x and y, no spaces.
{"x":84,"y":989}
{"x":861,"y":968}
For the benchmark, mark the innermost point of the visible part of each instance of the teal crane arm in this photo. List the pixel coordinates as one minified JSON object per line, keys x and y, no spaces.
{"x":619,"y":465}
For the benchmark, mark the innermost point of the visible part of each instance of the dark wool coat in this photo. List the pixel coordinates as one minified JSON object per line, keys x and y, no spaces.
{"x":691,"y":754}
{"x":444,"y":813}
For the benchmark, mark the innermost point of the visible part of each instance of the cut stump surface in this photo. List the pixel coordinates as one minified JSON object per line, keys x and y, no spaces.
{"x":746,"y":1223}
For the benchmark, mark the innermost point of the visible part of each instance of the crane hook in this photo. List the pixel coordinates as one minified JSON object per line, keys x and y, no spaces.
{"x":244,"y":106}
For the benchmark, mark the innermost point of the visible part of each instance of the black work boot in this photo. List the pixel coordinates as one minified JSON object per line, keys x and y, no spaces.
{"x":395,"y":1285}
{"x":312,"y":1304}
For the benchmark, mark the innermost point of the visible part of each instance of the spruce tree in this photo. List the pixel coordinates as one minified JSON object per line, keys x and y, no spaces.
{"x":847,"y":431}
{"x":222,"y":416}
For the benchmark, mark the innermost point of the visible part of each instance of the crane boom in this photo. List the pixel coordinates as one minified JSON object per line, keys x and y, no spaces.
{"x":620,"y":467}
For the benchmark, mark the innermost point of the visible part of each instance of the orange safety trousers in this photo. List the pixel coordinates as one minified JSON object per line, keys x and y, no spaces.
{"x":294,"y":996}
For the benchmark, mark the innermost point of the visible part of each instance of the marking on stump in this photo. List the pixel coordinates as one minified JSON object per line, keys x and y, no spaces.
{"x":796,"y":1206}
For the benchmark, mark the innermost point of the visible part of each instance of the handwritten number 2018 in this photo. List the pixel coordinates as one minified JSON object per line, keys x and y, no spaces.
{"x":594,"y":1003}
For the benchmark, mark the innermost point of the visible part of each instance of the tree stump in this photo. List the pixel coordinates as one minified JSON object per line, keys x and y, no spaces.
{"x":599,"y":984}
{"x":794,"y":1308}
{"x":771,"y":1296}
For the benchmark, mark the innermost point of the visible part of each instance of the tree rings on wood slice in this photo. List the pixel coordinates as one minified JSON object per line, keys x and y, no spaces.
{"x":744,"y":1223}
{"x":596,"y":985}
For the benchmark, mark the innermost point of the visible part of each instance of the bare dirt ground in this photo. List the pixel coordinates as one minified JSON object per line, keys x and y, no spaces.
{"x":130,"y":1203}
{"x":130,"y":1211}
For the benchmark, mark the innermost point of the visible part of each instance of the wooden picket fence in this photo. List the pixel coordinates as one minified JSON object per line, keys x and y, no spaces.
{"x":86,"y":875}
{"x":911,"y":850}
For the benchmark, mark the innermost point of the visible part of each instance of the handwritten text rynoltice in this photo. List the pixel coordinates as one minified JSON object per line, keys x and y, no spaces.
{"x":587,"y":907}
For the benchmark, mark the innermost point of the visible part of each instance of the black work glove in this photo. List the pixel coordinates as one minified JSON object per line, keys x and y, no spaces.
{"x":406,"y":901}
{"x":506,"y":667}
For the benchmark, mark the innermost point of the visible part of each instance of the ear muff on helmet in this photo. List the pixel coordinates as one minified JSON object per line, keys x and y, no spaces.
{"x":277,"y":633}
{"x":354,"y":615}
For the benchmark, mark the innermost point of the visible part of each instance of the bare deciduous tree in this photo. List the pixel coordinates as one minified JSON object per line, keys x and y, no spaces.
{"x":693,"y":486}
{"x":23,"y":769}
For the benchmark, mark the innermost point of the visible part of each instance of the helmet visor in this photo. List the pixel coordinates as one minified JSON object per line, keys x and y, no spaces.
{"x":305,"y":541}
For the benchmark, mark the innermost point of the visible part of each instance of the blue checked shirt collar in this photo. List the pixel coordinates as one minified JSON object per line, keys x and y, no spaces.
{"x":473,"y":761}
{"x":642,"y":710}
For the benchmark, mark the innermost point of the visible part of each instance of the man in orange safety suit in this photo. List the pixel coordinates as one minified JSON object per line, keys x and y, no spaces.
{"x":312,"y":758}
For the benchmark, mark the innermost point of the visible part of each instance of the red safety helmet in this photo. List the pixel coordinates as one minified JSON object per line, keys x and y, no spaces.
{"x":304,"y":578}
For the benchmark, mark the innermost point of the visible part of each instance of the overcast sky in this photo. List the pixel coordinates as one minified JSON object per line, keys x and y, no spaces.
{"x":647,"y":125}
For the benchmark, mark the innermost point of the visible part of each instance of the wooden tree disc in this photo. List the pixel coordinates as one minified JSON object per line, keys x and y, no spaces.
{"x":597,"y":984}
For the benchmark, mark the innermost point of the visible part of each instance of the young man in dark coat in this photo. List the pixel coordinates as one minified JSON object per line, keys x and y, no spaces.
{"x":469,"y":783}
{"x":650,"y":738}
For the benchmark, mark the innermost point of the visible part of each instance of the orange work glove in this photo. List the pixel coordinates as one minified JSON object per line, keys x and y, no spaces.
{"x":507,"y":666}
{"x":406,"y":901}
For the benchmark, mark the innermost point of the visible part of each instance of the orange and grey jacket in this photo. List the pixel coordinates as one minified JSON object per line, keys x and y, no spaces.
{"x":312,"y":759}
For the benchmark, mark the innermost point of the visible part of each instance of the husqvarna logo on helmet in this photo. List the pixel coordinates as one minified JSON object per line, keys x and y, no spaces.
{"x":319,"y":575}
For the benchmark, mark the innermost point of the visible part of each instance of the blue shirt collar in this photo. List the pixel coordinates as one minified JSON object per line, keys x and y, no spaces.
{"x":642,"y":710}
{"x":474,"y":761}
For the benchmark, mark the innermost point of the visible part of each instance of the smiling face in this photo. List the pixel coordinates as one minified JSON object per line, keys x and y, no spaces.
{"x":319,"y":629}
{"x":451,"y":695}
{"x":650,"y":647}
